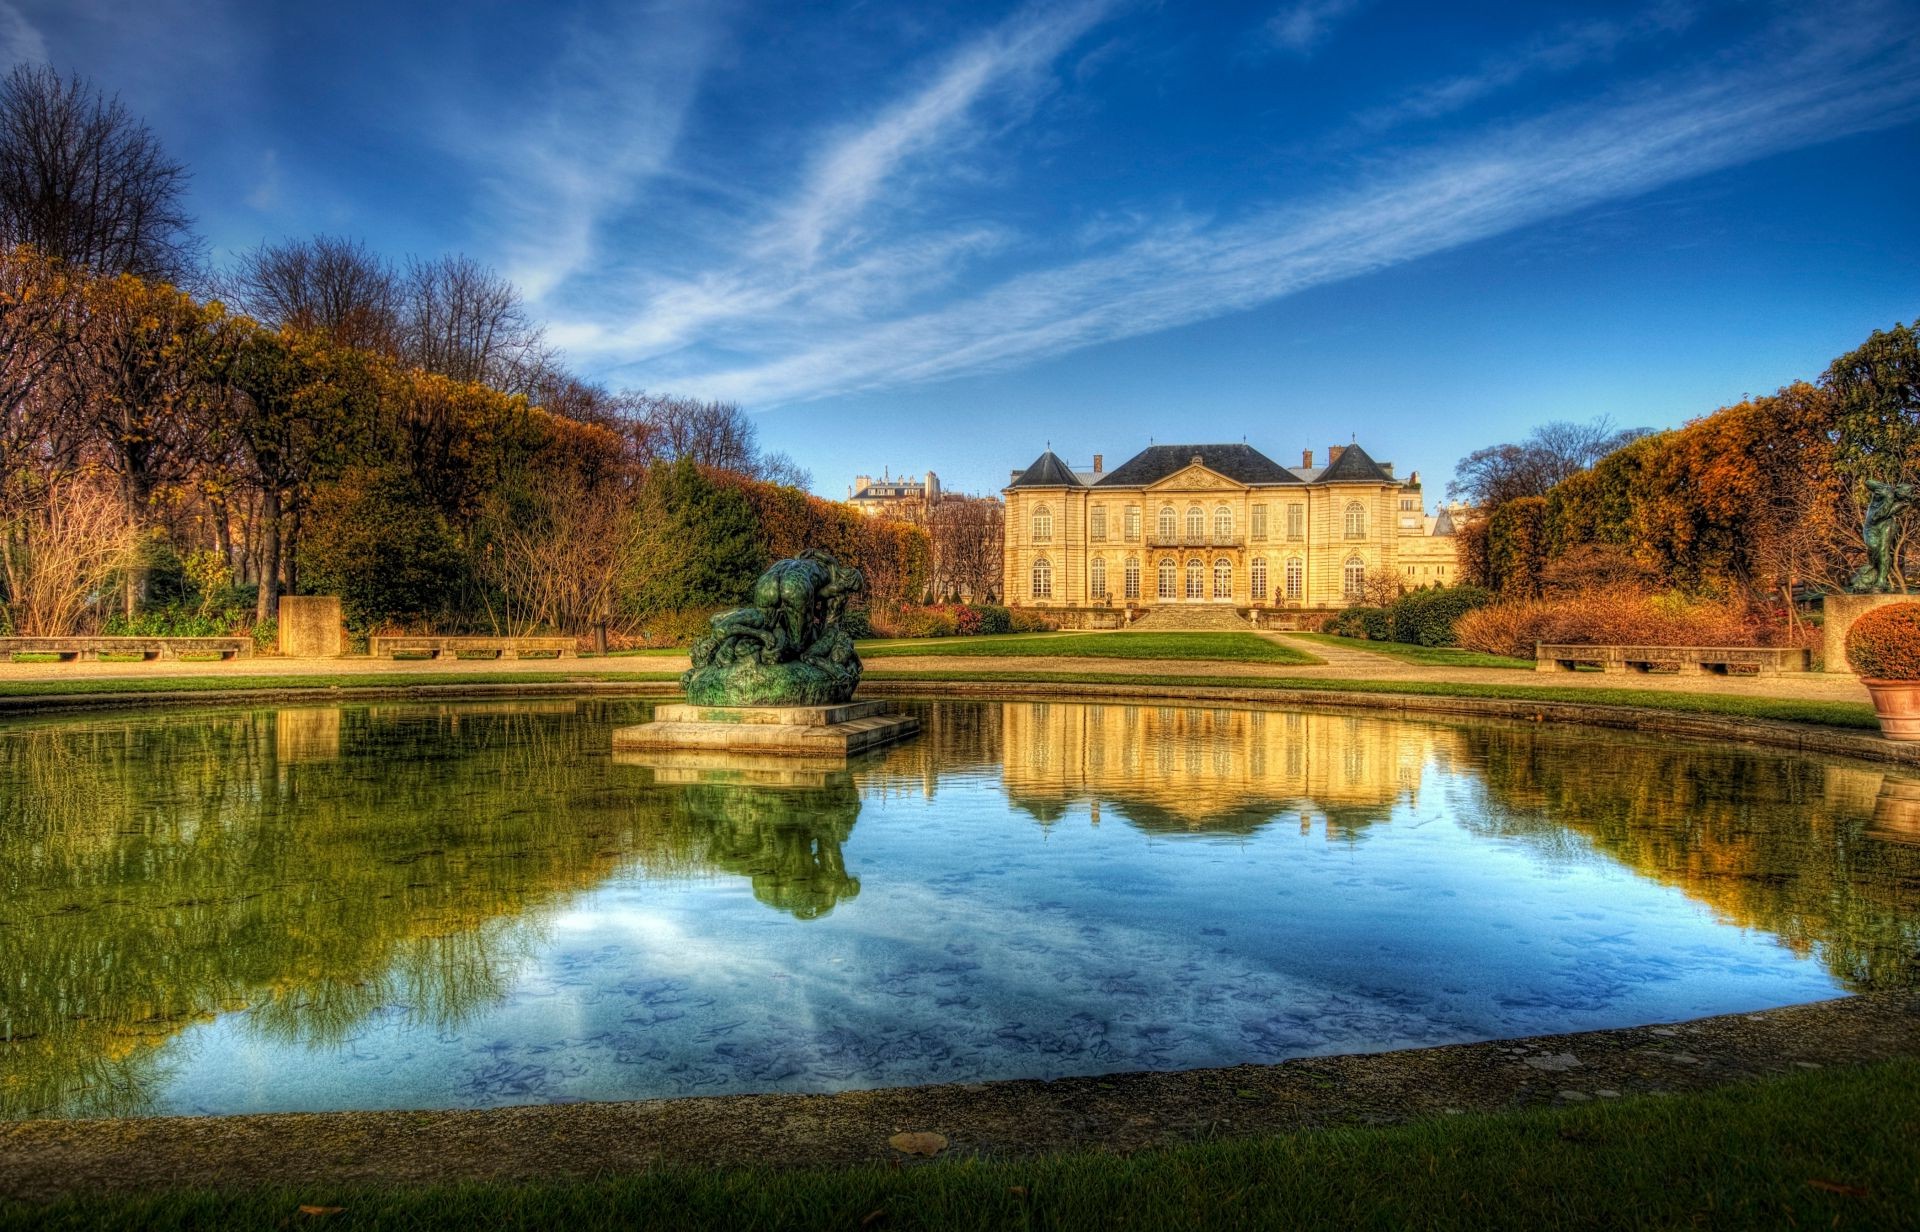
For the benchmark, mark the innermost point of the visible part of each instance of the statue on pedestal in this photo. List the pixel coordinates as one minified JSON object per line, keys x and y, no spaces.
{"x":789,"y":648}
{"x":1885,"y":503}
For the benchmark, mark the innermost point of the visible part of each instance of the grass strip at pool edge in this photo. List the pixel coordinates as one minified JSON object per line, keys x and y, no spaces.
{"x":342,"y":683}
{"x":1229,"y":647}
{"x":1825,"y":714}
{"x":1825,"y":1149}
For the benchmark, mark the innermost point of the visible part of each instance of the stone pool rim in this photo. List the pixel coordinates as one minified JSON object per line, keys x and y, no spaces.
{"x":1858,"y":744}
{"x":44,"y":1160}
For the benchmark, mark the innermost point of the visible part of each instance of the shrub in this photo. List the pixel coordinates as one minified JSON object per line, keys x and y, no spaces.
{"x":1884,"y":644}
{"x":993,"y":619}
{"x":1612,"y":617}
{"x":679,"y":627}
{"x":1019,"y":621}
{"x":858,"y":625}
{"x":1428,"y":617}
{"x":1373,"y":624}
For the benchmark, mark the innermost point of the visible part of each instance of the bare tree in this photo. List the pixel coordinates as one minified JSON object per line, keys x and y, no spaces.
{"x":666,"y":427}
{"x":1381,"y":586}
{"x":967,"y":534}
{"x":460,"y":319}
{"x":85,"y":183}
{"x":327,"y":285}
{"x":561,"y":562}
{"x":1490,"y":477}
{"x":61,"y":555}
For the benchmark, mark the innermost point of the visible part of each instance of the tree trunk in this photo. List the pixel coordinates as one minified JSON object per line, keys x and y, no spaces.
{"x":268,"y":607}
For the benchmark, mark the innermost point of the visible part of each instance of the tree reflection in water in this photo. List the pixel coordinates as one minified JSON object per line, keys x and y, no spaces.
{"x":314,"y":869}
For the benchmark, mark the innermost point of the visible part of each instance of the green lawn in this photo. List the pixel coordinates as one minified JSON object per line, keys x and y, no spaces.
{"x":1833,"y":1149}
{"x":1236,"y":647}
{"x":1829,"y":714}
{"x":1426,"y":656}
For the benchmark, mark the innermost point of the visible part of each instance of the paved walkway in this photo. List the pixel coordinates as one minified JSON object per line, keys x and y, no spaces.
{"x":1342,"y":663}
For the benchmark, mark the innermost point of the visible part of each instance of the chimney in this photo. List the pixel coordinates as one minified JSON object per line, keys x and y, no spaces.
{"x":1334,"y":452}
{"x":1099,"y":464}
{"x":1387,"y":467}
{"x":862,"y":482}
{"x":932,"y":488}
{"x":1013,"y":475}
{"x":1306,"y":459}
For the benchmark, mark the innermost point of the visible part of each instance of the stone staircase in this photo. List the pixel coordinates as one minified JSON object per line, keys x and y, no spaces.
{"x":1197,"y":618}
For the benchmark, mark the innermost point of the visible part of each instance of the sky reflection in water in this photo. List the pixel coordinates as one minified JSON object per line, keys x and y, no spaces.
{"x":475,"y":904}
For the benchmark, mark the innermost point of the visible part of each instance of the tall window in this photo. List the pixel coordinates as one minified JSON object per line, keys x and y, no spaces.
{"x":1223,"y":578}
{"x":1133,"y":523}
{"x":1356,"y":521}
{"x":1169,"y":527}
{"x":1042,"y":524}
{"x":1296,"y":577}
{"x":1097,"y":578}
{"x":1259,"y":521}
{"x":1196,"y":580}
{"x":1168,"y":580}
{"x":1258,"y":577}
{"x":1223,"y":523}
{"x":1097,"y":527}
{"x":1133,"y":577}
{"x":1406,"y":504}
{"x":1196,"y":523}
{"x":1355,"y":578}
{"x":1042,"y":579}
{"x":1296,"y":522}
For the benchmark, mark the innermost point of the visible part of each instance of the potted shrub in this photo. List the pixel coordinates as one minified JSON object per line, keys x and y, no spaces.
{"x":1883,"y":647}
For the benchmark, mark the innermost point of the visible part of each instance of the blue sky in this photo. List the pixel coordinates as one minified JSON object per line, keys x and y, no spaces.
{"x":910,"y":235}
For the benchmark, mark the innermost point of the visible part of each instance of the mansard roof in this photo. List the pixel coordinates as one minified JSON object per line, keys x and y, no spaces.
{"x":1240,"y":463}
{"x":1047,"y":471}
{"x":1354,"y":466}
{"x":1443,"y":525}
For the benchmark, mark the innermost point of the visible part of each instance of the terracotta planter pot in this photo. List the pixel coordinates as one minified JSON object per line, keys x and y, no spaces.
{"x":1897,"y":702}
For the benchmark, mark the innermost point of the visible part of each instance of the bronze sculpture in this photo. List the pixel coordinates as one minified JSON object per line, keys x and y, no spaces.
{"x":789,"y":648}
{"x":1885,"y":503}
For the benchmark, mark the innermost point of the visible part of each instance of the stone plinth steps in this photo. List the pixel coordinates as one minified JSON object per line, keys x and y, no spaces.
{"x":786,"y":731}
{"x":1194,"y":618}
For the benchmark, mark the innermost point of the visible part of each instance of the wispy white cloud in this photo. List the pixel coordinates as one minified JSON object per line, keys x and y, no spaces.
{"x":612,"y":106}
{"x":1807,"y":83}
{"x":1562,"y":50}
{"x":1303,"y":26}
{"x":20,"y":39}
{"x":817,"y":255}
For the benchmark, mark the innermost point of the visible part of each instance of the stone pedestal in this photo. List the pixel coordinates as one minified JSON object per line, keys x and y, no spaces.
{"x":830,"y":732}
{"x":1837,"y":614}
{"x":311,"y":628}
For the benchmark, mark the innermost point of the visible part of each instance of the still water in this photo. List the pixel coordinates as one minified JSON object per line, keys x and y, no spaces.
{"x":466,"y":905}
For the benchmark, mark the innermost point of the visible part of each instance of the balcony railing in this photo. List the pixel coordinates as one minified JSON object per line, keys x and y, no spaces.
{"x":1157,"y":540}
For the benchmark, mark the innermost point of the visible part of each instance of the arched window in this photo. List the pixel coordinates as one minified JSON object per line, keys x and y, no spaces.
{"x":1168,"y":525}
{"x":1196,"y":523}
{"x":1097,"y":577}
{"x":1296,"y":577}
{"x":1259,"y":577}
{"x":1356,"y":521}
{"x":1196,"y":580}
{"x":1223,"y":523}
{"x":1133,"y":577}
{"x":1355,"y":578}
{"x":1169,"y":579}
{"x":1223,"y":578}
{"x":1042,"y":524}
{"x":1042,"y":579}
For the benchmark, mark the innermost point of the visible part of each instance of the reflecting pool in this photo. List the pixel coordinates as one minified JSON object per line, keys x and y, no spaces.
{"x":464,"y":905}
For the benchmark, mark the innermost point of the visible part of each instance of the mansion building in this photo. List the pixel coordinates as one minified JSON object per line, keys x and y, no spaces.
{"x":1221,"y":525}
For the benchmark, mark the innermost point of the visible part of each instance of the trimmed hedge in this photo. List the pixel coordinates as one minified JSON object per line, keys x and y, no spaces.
{"x":1427,"y":617}
{"x":1884,"y":644}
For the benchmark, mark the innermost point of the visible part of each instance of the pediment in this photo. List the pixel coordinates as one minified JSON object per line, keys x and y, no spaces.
{"x":1196,"y":478}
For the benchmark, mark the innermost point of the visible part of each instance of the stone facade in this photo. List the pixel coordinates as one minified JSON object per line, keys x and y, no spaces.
{"x":893,"y":496}
{"x":1216,"y":524}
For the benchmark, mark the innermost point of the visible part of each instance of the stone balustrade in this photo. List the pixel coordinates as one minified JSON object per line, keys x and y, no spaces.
{"x":455,"y":647}
{"x":72,"y":648}
{"x":1724,"y":660}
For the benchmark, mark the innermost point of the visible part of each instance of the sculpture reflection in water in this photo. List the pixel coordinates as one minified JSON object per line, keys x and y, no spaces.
{"x":786,"y":840}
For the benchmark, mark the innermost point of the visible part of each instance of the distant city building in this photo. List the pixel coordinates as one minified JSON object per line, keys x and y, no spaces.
{"x":890,"y":495}
{"x":1220,"y":525}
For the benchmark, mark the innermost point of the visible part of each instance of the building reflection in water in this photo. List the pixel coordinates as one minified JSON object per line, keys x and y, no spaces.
{"x":1191,"y":770}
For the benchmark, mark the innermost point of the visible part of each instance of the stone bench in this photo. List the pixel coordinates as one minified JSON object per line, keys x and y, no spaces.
{"x":1724,"y":660}
{"x":456,"y":647}
{"x":71,"y":648}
